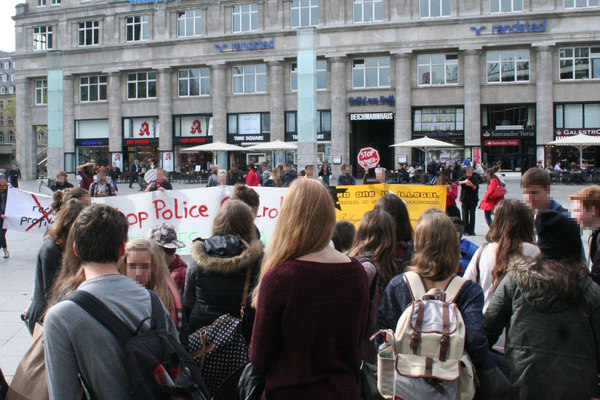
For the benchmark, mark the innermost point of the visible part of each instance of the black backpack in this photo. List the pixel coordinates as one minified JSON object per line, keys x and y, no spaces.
{"x":158,"y":367}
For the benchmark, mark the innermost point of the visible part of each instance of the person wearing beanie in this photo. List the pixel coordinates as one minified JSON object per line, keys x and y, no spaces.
{"x":586,"y":210}
{"x":550,"y":308}
{"x":3,"y":197}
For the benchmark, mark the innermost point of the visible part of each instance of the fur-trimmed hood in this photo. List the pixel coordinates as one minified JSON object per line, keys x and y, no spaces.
{"x":548,"y":291}
{"x":234,"y":257}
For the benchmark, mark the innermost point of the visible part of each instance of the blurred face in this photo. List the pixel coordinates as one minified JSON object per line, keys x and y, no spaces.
{"x":161,"y":176}
{"x":586,"y":217}
{"x":347,"y":171}
{"x":138,"y":267}
{"x":101,"y":175}
{"x":60,"y":179}
{"x":537,"y":196}
{"x":469,"y":171}
{"x":309,"y":171}
{"x":3,"y":181}
{"x":276,"y":174}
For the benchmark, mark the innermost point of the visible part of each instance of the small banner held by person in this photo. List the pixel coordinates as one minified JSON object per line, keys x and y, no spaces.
{"x":368,"y":157}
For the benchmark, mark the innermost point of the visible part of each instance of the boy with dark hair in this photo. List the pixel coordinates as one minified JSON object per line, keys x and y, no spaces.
{"x":343,"y":235}
{"x":76,"y":344}
{"x":467,"y":248}
{"x":535,"y":183}
{"x":586,"y":210}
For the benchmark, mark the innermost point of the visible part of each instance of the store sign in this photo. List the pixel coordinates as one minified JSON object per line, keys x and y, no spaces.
{"x":454,"y":137}
{"x":321,"y":137}
{"x":371,"y":116}
{"x":517,"y":27}
{"x":98,"y":142}
{"x":244,"y":46}
{"x":573,"y":132}
{"x":136,"y":2}
{"x":236,"y":139}
{"x":199,"y":140}
{"x":194,"y":126}
{"x":520,"y":133}
{"x":137,"y":142}
{"x":508,"y":142}
{"x":372,"y":101}
{"x":167,"y":161}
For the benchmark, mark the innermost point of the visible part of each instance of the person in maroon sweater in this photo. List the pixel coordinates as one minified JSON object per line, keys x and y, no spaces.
{"x":312,"y":305}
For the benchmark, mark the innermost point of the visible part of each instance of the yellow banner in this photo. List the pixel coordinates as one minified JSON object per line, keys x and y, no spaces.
{"x":353,"y":201}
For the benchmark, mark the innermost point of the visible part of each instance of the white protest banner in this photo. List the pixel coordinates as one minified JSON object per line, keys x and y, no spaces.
{"x":27,"y":212}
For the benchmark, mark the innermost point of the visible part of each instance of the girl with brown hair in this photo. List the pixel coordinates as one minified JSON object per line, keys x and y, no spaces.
{"x":216,"y":276}
{"x":49,"y":260}
{"x":395,"y":206}
{"x":247,"y":195}
{"x":312,"y":304}
{"x":144,"y":262}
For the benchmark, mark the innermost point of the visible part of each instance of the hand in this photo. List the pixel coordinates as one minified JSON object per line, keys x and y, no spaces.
{"x":162,"y":189}
{"x":101,"y":194}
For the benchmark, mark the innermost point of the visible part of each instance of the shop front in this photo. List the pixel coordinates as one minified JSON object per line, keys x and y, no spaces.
{"x":440,"y":123}
{"x":572,"y":119}
{"x":245,"y":130}
{"x":91,"y":142}
{"x":372,"y":129}
{"x":508,"y":135}
{"x":323,"y":137}
{"x":189,"y":131}
{"x":140,"y":141}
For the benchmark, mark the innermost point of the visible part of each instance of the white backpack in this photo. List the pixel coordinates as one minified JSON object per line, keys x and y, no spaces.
{"x":426,"y":357}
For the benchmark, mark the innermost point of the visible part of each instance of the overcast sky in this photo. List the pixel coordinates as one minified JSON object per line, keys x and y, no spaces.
{"x":7,"y":25}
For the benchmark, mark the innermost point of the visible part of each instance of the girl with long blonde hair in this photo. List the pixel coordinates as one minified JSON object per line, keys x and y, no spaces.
{"x":312,"y":304}
{"x":144,"y":262}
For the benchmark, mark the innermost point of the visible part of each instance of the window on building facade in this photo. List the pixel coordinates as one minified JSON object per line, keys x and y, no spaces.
{"x":41,"y":92}
{"x":137,"y":28}
{"x":89,"y":33}
{"x":1,"y":137}
{"x":577,"y":116}
{"x":2,"y":90}
{"x":581,"y":3}
{"x":435,"y":8}
{"x":438,"y":119}
{"x":368,"y":10}
{"x":437,"y":69}
{"x":506,"y":6}
{"x":11,"y":89}
{"x":12,"y":77}
{"x":5,"y":78}
{"x":9,"y":121}
{"x":371,"y":72}
{"x":323,"y":122}
{"x":507,"y":66}
{"x":189,"y":23}
{"x":42,"y":38}
{"x":141,"y":85}
{"x":244,"y":17}
{"x":248,"y":124}
{"x":55,"y":2}
{"x":41,"y":3}
{"x":580,"y":63}
{"x":305,"y":13}
{"x":7,"y":65}
{"x":321,"y":76}
{"x":194,"y":82}
{"x":92,"y":88}
{"x":1,"y":119}
{"x":11,"y":136}
{"x":250,"y":79}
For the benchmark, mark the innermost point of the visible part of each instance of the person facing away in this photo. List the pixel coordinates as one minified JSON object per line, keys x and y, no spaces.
{"x":343,"y":235}
{"x":161,"y":183}
{"x":252,"y":178}
{"x":405,"y":248}
{"x":469,"y":197}
{"x":75,"y":344}
{"x":535,"y":184}
{"x":346,"y":178}
{"x":586,"y":211}
{"x":213,"y":179}
{"x":489,"y":201}
{"x":49,"y":261}
{"x":3,"y":199}
{"x":311,"y":303}
{"x":216,"y":275}
{"x":550,"y":308}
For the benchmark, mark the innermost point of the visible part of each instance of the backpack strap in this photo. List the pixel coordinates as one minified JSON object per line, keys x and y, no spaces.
{"x":158,"y":313}
{"x":98,"y":310}
{"x":477,"y":261}
{"x":454,"y":288}
{"x":415,"y":284}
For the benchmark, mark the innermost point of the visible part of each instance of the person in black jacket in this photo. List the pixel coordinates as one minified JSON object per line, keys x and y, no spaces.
{"x":215,"y":278}
{"x":469,"y":196}
{"x":49,"y":260}
{"x":135,"y":172}
{"x":586,"y":210}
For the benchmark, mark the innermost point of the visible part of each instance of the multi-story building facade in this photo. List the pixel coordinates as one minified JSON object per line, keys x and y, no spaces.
{"x":8,"y":127}
{"x":498,"y":78}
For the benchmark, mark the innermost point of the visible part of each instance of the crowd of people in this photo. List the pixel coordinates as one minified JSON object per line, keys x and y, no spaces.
{"x":309,"y":306}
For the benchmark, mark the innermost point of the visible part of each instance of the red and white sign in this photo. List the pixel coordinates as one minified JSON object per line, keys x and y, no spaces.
{"x":368,"y":157}
{"x":505,"y":142}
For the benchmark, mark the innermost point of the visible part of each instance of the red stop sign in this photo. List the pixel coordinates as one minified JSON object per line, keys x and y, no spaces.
{"x":368,"y":157}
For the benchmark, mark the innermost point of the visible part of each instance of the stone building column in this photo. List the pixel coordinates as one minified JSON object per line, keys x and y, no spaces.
{"x":472,"y":116}
{"x":26,"y":137}
{"x":115,"y":124}
{"x":219,"y":108}
{"x":340,"y":143}
{"x":68,"y":117}
{"x":544,"y":96}
{"x":276,"y":100}
{"x":165,"y":110}
{"x":403,"y":117}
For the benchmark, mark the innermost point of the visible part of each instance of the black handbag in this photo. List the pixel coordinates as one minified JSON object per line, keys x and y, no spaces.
{"x":220,"y":348}
{"x":252,"y":384}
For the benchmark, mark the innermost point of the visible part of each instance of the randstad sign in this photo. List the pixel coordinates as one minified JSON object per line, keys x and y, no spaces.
{"x":517,"y":27}
{"x":135,"y":2}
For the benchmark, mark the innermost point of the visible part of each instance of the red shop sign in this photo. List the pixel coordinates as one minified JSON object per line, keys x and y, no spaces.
{"x":504,"y":142}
